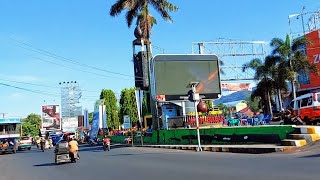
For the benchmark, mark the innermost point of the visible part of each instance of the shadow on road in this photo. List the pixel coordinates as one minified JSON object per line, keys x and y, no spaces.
{"x":45,"y":164}
{"x":141,"y":154}
{"x":99,"y":148}
{"x":311,"y":156}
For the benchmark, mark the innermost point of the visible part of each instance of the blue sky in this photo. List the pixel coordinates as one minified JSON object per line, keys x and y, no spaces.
{"x":83,"y":31}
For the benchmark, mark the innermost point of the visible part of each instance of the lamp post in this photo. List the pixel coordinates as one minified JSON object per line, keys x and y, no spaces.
{"x":195,"y":97}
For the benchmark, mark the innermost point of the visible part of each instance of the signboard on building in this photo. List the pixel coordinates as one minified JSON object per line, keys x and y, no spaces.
{"x":126,"y":122}
{"x":10,"y":120}
{"x":51,"y":117}
{"x":310,"y":80}
{"x":70,"y":124}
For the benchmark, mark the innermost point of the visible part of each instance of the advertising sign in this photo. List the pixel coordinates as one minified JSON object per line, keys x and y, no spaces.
{"x":126,"y":122}
{"x":95,"y":125}
{"x":10,"y":120}
{"x":70,"y":124}
{"x":236,"y":86}
{"x":310,"y":80}
{"x":171,"y":75}
{"x":51,"y":117}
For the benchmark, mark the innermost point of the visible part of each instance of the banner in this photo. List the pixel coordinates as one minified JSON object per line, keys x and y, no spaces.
{"x":139,"y":99}
{"x":95,"y":125}
{"x":70,"y":124}
{"x":86,"y":119}
{"x":51,"y":117}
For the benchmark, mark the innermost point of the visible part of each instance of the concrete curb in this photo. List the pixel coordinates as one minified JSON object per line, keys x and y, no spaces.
{"x":308,"y":137}
{"x":293,"y":142}
{"x":245,"y":149}
{"x":308,"y":129}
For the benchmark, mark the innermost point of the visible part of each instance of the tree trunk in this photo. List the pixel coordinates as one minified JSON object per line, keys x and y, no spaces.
{"x":293,"y":89}
{"x":269,"y":103}
{"x":280,"y":99}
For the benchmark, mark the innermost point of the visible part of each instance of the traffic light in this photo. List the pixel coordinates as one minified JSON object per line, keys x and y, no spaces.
{"x":141,"y":70}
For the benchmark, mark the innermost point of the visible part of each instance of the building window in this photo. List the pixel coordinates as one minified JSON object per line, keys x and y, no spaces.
{"x":303,"y":78}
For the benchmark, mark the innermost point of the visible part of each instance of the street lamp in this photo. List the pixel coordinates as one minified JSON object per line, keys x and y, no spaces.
{"x":195,"y":97}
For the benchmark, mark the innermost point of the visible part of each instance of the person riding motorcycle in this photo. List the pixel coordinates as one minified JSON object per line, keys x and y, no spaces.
{"x":73,"y":150}
{"x":106,"y":143}
{"x":290,"y":118}
{"x":42,"y":143}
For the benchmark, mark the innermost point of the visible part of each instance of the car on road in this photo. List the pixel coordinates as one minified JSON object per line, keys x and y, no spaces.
{"x":24,"y":143}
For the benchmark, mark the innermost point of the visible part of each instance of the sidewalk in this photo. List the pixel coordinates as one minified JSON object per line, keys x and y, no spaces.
{"x":253,"y":149}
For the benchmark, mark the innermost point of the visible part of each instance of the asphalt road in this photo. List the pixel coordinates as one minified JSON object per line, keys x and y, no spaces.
{"x":160,"y":164}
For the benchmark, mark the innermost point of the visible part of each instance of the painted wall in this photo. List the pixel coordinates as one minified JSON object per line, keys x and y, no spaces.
{"x":234,"y":135}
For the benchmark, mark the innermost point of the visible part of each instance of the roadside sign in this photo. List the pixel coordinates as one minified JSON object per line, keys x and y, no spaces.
{"x":126,"y":122}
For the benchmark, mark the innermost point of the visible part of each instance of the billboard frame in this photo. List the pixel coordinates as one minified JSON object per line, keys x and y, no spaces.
{"x":182,"y":57}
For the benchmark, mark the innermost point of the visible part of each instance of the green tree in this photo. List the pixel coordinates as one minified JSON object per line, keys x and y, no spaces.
{"x":29,"y":129}
{"x":264,"y":75}
{"x":223,"y":108}
{"x":295,"y":57}
{"x":110,"y":101}
{"x":128,"y":105}
{"x":90,"y":117}
{"x":140,"y":9}
{"x":209,"y":104}
{"x":254,"y":104}
{"x":34,"y":120}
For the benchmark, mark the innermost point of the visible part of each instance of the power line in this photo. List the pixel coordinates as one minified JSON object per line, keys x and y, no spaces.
{"x":29,"y":90}
{"x":52,"y":55}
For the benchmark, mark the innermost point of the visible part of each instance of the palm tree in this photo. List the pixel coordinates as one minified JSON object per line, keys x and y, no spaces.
{"x":140,"y":9}
{"x":294,"y":56}
{"x":264,"y":74}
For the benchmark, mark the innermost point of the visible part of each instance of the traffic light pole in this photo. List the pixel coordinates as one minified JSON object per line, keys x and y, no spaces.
{"x":195,"y":98}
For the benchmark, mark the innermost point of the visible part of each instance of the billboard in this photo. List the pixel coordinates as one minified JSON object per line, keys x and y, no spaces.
{"x":310,"y":80}
{"x":70,"y":124}
{"x":236,"y":86}
{"x":51,"y":117}
{"x":171,"y":75}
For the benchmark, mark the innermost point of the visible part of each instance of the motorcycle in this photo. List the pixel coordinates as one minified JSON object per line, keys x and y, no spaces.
{"x":106,"y":146}
{"x":42,"y":146}
{"x":291,"y":120}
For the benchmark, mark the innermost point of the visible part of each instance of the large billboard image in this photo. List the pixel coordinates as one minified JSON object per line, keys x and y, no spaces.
{"x":173,"y":73}
{"x":70,"y":124}
{"x":51,"y":117}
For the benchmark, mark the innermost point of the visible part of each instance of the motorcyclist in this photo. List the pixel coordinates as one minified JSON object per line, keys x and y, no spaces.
{"x":106,"y":143}
{"x":73,"y":150}
{"x":42,"y":143}
{"x":290,"y":118}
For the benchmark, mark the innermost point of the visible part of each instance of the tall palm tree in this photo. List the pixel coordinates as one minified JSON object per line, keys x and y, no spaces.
{"x":140,"y":9}
{"x":294,"y":54}
{"x":264,"y":74}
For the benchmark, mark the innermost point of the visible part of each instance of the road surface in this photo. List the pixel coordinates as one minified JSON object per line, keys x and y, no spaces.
{"x":160,"y":164}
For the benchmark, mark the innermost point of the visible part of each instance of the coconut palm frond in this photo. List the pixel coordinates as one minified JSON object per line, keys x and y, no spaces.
{"x":300,"y":43}
{"x":161,"y":8}
{"x":119,"y":6}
